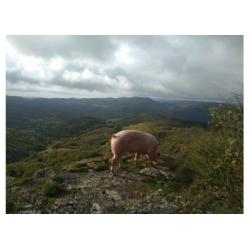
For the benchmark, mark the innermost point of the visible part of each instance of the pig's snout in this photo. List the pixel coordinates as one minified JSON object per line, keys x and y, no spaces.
{"x":154,"y":155}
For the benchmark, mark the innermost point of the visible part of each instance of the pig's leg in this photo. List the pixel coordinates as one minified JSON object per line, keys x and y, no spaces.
{"x":136,"y":158}
{"x":113,"y":164}
{"x":152,"y":158}
{"x":148,"y":161}
{"x":116,"y":160}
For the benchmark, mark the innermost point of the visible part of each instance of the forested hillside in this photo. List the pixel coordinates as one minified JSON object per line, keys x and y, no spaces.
{"x":20,"y":110}
{"x":46,"y":120}
{"x":58,"y":159}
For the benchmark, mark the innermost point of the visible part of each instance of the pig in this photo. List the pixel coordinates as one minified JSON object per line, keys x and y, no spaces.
{"x":133,"y":141}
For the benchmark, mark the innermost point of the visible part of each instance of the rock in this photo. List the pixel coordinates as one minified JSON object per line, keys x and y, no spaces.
{"x":113,"y":195}
{"x":165,"y":174}
{"x":70,"y":179}
{"x":28,"y":206}
{"x":69,"y":187}
{"x":155,"y":173}
{"x":30,"y":212}
{"x":95,"y":209}
{"x":44,"y":172}
{"x":94,"y":192}
{"x":151,"y":172}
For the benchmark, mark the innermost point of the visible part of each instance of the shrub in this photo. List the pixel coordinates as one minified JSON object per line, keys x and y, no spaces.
{"x":52,"y":189}
{"x":11,"y":208}
{"x":221,"y":151}
{"x":169,"y":162}
{"x":20,"y":181}
{"x":78,"y":167}
{"x":184,"y":176}
{"x":101,"y":166}
{"x":14,"y":172}
{"x":58,"y":179}
{"x":172,"y":186}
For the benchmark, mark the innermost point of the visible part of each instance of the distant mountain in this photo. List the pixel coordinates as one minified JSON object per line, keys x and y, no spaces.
{"x":24,"y":112}
{"x":195,"y":111}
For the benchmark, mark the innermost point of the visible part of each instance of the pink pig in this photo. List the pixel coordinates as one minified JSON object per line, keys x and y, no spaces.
{"x":133,"y":141}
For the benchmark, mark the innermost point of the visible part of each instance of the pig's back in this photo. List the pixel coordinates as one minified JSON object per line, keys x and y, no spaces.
{"x":134,"y":141}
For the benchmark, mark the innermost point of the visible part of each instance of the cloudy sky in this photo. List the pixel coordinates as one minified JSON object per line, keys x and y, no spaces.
{"x":175,"y":67}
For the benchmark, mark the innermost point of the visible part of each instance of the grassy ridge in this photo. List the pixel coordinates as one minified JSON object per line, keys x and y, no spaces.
{"x":206,"y":164}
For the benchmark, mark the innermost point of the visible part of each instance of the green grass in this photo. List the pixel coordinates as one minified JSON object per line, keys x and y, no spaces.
{"x":78,"y":168}
{"x":52,"y":189}
{"x":59,"y":179}
{"x":101,"y":166}
{"x":206,"y":164}
{"x":11,"y":207}
{"x":20,"y":181}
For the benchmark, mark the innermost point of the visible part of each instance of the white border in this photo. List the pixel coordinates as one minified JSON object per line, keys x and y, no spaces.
{"x":124,"y":231}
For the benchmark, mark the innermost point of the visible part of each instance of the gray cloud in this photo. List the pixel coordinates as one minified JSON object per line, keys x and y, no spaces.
{"x":203,"y":67}
{"x":99,"y":47}
{"x":16,"y":77}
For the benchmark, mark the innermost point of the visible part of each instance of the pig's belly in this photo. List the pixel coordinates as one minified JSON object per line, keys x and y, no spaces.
{"x":135,"y":149}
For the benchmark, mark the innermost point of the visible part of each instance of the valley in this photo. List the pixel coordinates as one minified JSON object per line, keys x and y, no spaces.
{"x":58,"y":157}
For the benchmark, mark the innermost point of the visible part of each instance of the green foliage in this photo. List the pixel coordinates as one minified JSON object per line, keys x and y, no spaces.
{"x":52,"y":189}
{"x":78,"y":167}
{"x":20,"y":181}
{"x":184,"y":176}
{"x":14,"y":171}
{"x":172,"y":186}
{"x":170,"y":162}
{"x":73,"y":127}
{"x":101,"y":166}
{"x":223,"y":152}
{"x":11,"y":207}
{"x":24,"y":169}
{"x":21,"y":143}
{"x":153,"y":185}
{"x":206,"y":163}
{"x":59,"y":179}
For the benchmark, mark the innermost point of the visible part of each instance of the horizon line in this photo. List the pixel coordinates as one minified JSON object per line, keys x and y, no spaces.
{"x":159,"y":99}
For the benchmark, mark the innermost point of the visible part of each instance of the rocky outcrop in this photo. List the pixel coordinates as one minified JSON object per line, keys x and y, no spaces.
{"x":94,"y":191}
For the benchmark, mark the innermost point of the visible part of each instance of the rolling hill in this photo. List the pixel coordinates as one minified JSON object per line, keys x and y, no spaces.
{"x":21,"y":110}
{"x":58,"y":153}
